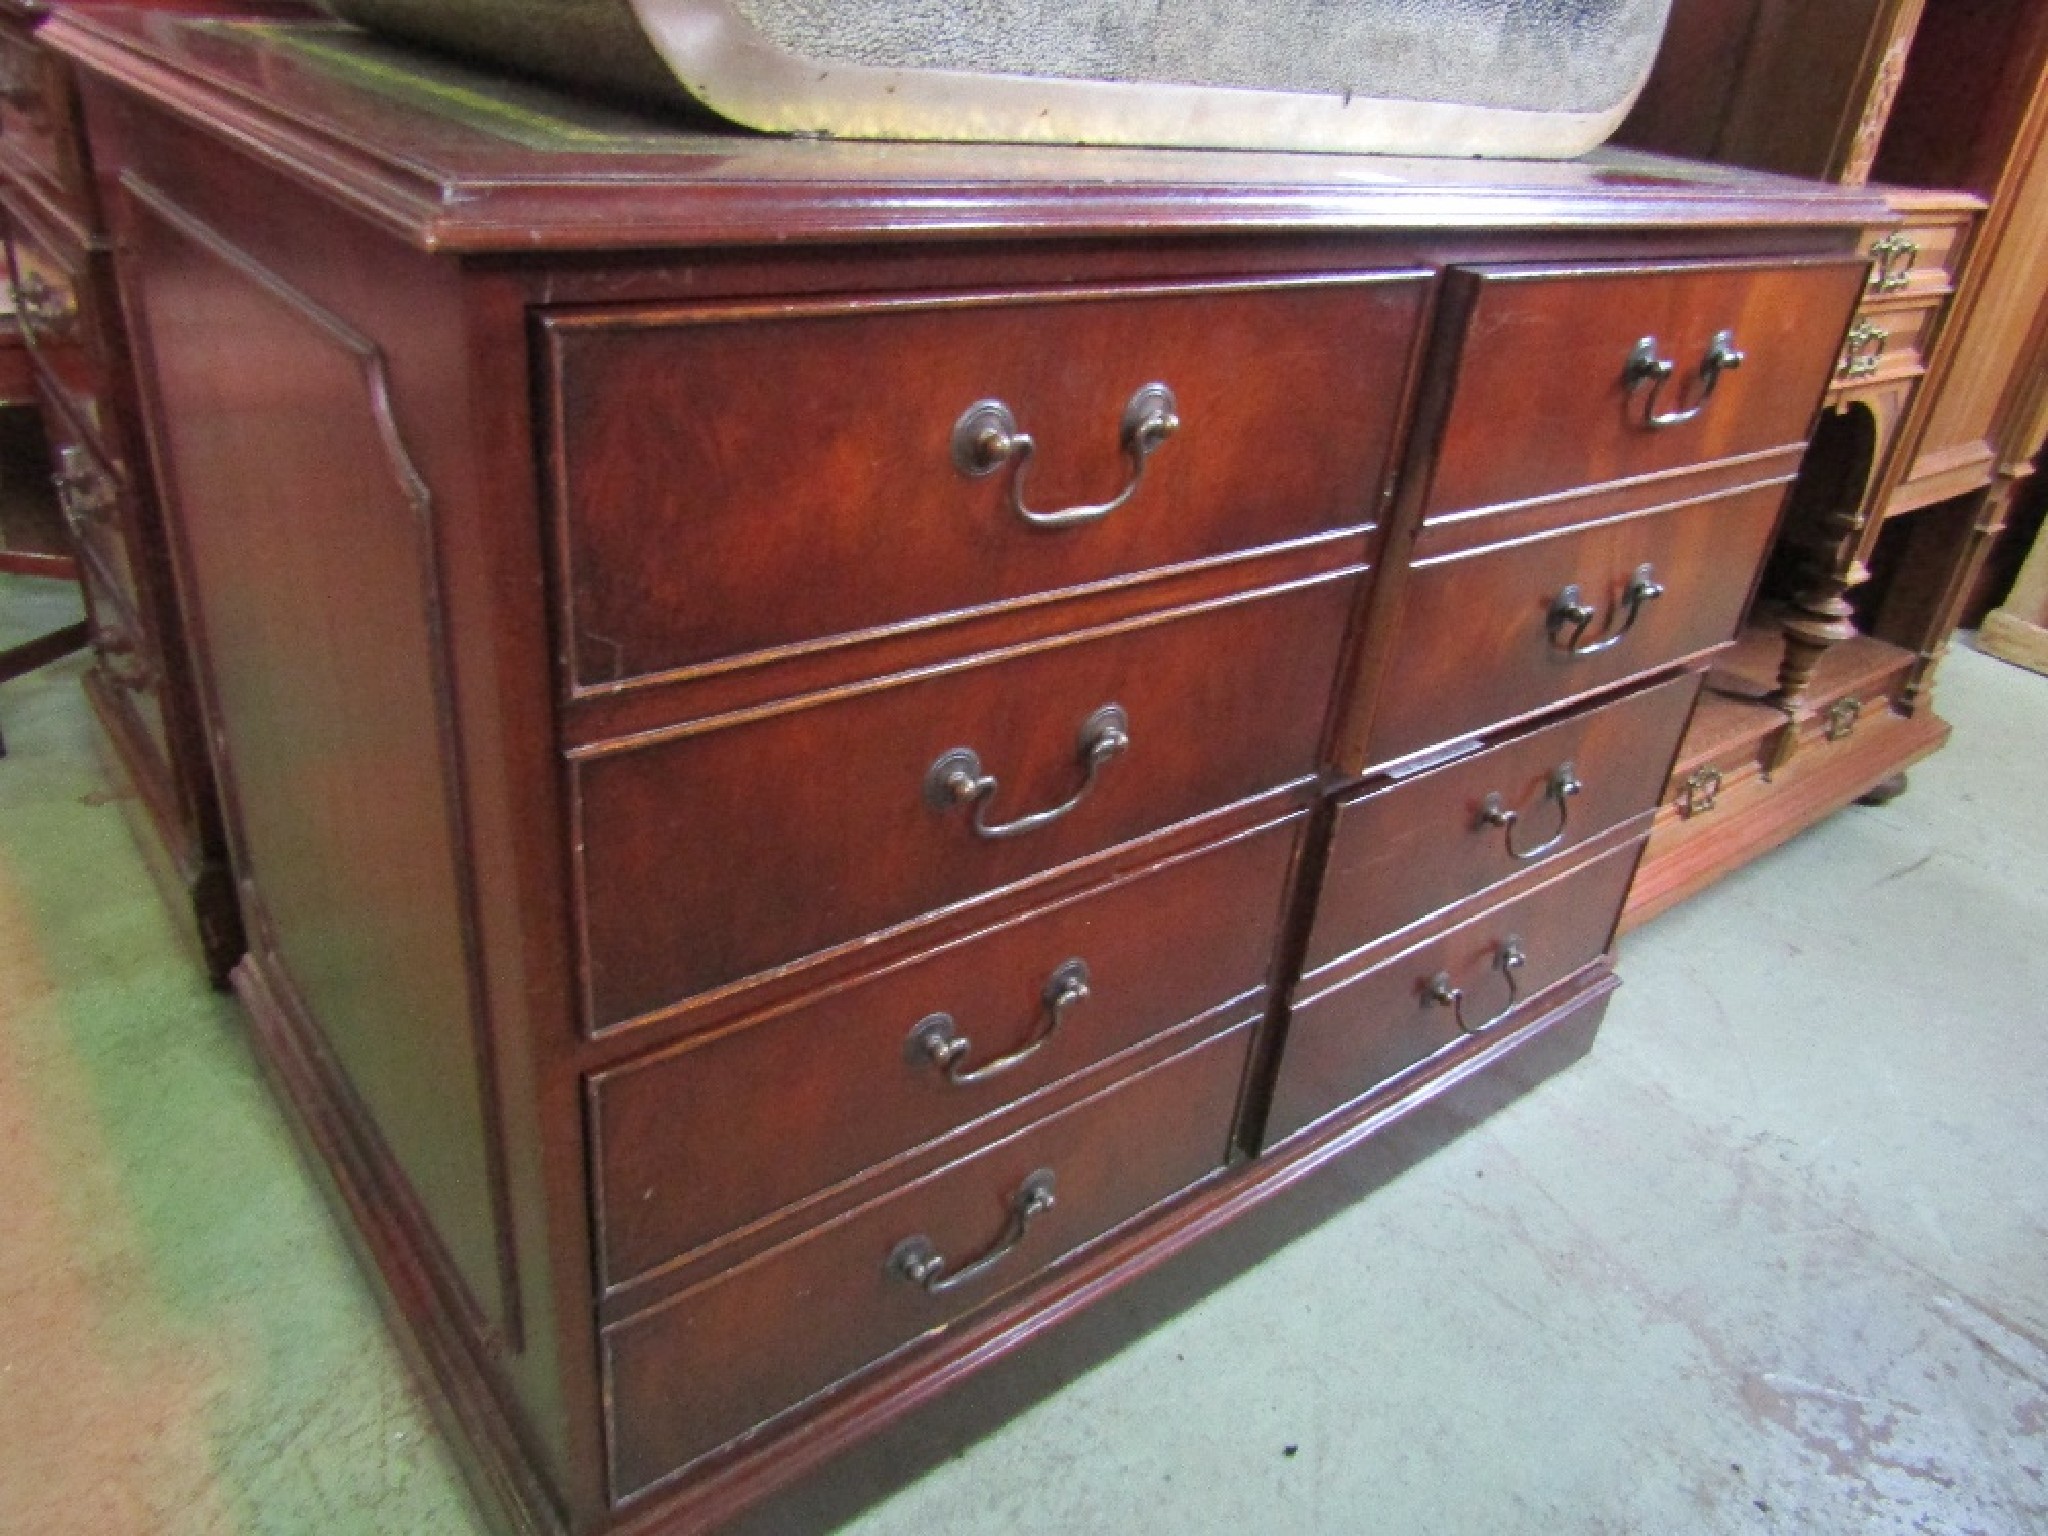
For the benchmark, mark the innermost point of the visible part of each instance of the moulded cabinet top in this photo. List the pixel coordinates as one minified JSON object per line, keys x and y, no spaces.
{"x":459,"y":159}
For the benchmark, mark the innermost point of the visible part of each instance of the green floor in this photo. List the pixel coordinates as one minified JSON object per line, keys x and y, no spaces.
{"x":184,"y":1344}
{"x":1774,"y":1259}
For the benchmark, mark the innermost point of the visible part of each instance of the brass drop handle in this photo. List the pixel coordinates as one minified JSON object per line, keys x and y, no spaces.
{"x":83,"y":492}
{"x":956,"y":778}
{"x":1571,"y":617}
{"x":123,"y":658}
{"x":917,"y":1261}
{"x":1839,"y":723}
{"x":1493,"y":812}
{"x":936,"y":1040}
{"x":1509,"y":958}
{"x":986,"y":437}
{"x":1646,"y":366}
{"x":43,"y":304}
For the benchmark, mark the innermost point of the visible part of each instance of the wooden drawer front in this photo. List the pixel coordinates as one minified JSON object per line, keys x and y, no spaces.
{"x":32,"y":105}
{"x":1919,"y":257}
{"x":717,"y":1361}
{"x":1343,"y":1043}
{"x":715,"y":856}
{"x":1481,"y":639}
{"x":1401,"y":851}
{"x":846,"y":1084}
{"x":60,"y":319}
{"x":707,"y":457}
{"x":1542,"y":403}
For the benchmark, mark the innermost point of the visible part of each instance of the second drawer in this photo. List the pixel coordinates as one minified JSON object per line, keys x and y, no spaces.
{"x":837,"y":816}
{"x":888,"y":1063}
{"x":1494,"y":635}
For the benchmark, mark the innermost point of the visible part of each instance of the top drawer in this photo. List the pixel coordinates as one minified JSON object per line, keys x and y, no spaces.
{"x":1548,"y":397}
{"x":736,"y":479}
{"x":1921,"y":255}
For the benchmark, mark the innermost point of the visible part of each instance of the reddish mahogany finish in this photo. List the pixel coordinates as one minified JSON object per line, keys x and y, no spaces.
{"x":818,"y":814}
{"x":1400,"y":851}
{"x":693,"y":479}
{"x":1543,"y":399}
{"x":585,"y":588}
{"x":63,"y":314}
{"x":140,"y":684}
{"x":1349,"y":1033}
{"x":773,"y":1334}
{"x":34,"y":107}
{"x":674,"y":1134}
{"x":1704,"y":554}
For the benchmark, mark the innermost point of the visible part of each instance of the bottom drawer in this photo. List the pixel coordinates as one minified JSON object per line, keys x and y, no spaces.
{"x":702,"y":1369}
{"x":1462,"y":985}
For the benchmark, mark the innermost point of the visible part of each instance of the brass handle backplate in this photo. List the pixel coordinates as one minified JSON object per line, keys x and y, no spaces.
{"x":1839,"y":723}
{"x":1893,"y":259}
{"x":1508,"y":958}
{"x":936,"y":1040}
{"x":1700,"y":793}
{"x":124,"y":660}
{"x":1862,"y":350}
{"x":917,"y":1261}
{"x":1571,"y":617}
{"x":987,"y":437}
{"x":84,"y":493}
{"x":1646,"y":367}
{"x":1563,"y":784}
{"x":956,"y":778}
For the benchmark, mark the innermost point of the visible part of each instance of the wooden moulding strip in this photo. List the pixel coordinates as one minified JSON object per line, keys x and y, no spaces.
{"x":1755,"y":814}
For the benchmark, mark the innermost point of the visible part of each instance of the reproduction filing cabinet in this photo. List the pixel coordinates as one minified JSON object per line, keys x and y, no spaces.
{"x":832,"y":752}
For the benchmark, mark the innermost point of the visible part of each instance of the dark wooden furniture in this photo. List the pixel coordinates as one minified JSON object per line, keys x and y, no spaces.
{"x":834,"y":752}
{"x":1828,"y":698}
{"x":32,"y":541}
{"x":1807,"y":712}
{"x":17,"y":374}
{"x":1803,"y":87}
{"x":140,"y":683}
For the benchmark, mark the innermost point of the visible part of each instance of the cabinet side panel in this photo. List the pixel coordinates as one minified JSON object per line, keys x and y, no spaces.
{"x":316,"y":609}
{"x":340,"y":423}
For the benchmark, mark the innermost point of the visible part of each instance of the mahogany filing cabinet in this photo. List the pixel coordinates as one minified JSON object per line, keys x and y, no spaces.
{"x":833,"y":751}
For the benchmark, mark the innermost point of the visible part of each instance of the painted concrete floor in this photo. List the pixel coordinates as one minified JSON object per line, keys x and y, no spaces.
{"x":1773,"y":1259}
